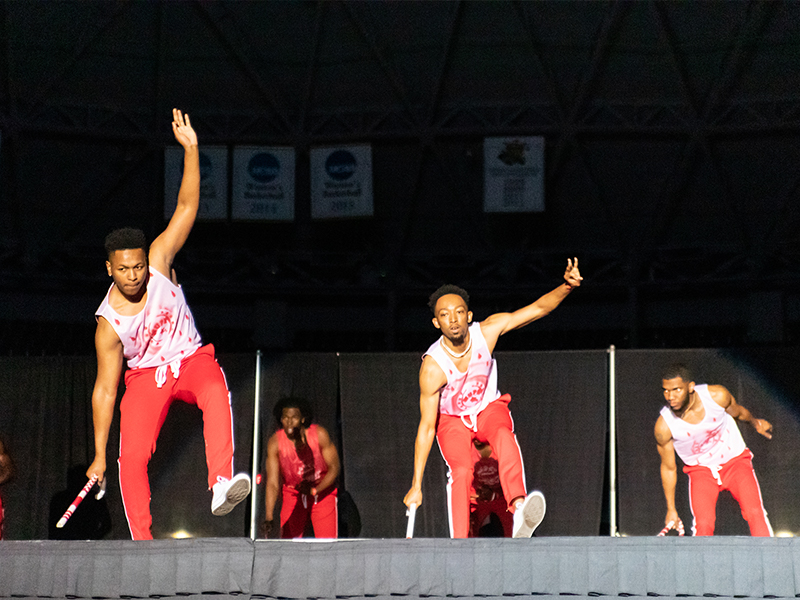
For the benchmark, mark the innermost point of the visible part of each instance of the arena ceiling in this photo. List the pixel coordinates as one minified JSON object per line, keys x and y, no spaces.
{"x":672,"y":152}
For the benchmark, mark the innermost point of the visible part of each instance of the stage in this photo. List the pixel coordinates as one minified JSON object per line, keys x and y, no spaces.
{"x":424,"y":567}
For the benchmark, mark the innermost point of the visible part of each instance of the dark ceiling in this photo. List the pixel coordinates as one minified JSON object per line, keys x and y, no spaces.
{"x":671,"y":154}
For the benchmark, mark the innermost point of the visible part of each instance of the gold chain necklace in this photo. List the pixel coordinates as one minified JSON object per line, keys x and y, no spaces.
{"x":453,"y":354}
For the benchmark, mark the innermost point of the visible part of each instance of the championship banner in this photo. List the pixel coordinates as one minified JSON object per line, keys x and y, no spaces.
{"x":263,"y":183}
{"x":513,"y":174}
{"x":213,"y":182}
{"x":341,"y":182}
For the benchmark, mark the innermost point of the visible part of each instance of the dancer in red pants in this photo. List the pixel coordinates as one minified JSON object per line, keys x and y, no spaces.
{"x":144,"y":318}
{"x":698,"y":423}
{"x":302,"y":457}
{"x":459,"y":403}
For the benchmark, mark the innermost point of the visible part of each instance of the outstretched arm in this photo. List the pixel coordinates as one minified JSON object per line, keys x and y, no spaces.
{"x":669,"y":470}
{"x":500,"y":323}
{"x":725,"y":399}
{"x":104,"y":395}
{"x":166,"y":246}
{"x":431,"y":380}
{"x":331,"y":457}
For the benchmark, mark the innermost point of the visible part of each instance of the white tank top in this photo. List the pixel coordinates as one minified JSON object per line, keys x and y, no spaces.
{"x":710,"y":443}
{"x":161,"y":334}
{"x":467,"y":394}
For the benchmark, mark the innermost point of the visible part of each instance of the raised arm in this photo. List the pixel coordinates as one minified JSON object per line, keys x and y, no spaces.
{"x":166,"y":246}
{"x":669,"y":469}
{"x":273,"y":482}
{"x":331,"y":457}
{"x":725,"y":399}
{"x":104,"y":395}
{"x":431,"y":380}
{"x":498,"y":324}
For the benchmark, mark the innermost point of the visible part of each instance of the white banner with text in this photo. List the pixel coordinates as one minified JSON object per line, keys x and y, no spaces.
{"x":263,"y":183}
{"x":341,"y":182}
{"x":513,"y":174}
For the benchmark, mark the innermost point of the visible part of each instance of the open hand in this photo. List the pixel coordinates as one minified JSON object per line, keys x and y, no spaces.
{"x":182,"y":128}
{"x":572,"y":275}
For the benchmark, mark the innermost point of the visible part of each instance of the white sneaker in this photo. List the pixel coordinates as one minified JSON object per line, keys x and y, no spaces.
{"x":228,"y":493}
{"x":528,"y":516}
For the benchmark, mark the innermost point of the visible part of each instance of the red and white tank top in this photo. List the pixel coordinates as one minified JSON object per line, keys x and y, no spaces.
{"x":710,"y":443}
{"x":466,"y":394}
{"x":306,"y":464}
{"x":162,"y":333}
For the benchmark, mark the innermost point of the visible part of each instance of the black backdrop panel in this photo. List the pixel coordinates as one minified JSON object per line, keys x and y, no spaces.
{"x":313,"y":376}
{"x":559,"y":407}
{"x":46,"y":423}
{"x":559,"y":404}
{"x":380,"y":415}
{"x":765,"y":381}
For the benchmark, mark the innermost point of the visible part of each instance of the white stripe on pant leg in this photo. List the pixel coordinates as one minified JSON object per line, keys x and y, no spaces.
{"x":691,"y":508}
{"x":230,"y":409}
{"x":121,"y":493}
{"x":449,"y":488}
{"x":521,"y":461}
{"x":760,"y":500}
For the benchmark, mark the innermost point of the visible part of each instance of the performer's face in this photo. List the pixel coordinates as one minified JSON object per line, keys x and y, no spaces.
{"x":128,"y":269}
{"x":452,"y":317}
{"x":677,"y":392}
{"x":291,"y":421}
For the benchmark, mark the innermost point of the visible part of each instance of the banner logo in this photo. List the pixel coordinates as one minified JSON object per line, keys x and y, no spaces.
{"x":264,"y":167}
{"x":341,"y":165}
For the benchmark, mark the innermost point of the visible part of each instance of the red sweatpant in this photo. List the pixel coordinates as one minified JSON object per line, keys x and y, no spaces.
{"x":495,"y":426}
{"x":297,"y":509}
{"x":143,"y":409}
{"x":484,"y":508}
{"x":736,"y":476}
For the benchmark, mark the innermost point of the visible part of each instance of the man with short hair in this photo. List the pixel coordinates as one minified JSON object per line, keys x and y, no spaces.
{"x":698,"y":423}
{"x":460,"y":403}
{"x":302,"y":461}
{"x":144,"y":318}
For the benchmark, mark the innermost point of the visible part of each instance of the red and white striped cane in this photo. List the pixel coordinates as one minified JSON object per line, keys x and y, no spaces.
{"x":75,"y":503}
{"x":672,"y":525}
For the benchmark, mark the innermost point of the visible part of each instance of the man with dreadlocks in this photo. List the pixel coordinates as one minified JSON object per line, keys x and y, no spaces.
{"x":460,"y":403}
{"x":144,"y":318}
{"x":302,"y":461}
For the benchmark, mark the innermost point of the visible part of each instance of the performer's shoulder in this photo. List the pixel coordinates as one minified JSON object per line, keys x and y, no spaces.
{"x":716,"y":389}
{"x":431,"y":373}
{"x":662,"y":431}
{"x":719,"y":394}
{"x":323,"y":437}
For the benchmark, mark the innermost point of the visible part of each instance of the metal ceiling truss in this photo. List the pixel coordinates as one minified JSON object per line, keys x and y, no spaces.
{"x":696,"y":123}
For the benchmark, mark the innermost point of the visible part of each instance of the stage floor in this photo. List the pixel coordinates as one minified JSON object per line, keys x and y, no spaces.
{"x":574,"y":566}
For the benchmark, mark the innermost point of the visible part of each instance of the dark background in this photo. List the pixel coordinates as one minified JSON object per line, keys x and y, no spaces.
{"x":671,"y":154}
